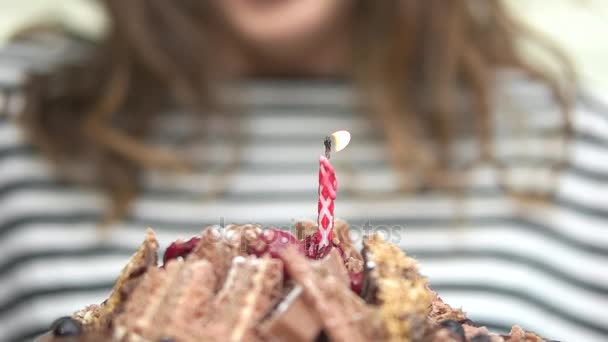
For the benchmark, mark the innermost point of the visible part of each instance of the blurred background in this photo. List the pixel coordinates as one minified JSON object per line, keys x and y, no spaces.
{"x":574,"y":24}
{"x":578,"y":26}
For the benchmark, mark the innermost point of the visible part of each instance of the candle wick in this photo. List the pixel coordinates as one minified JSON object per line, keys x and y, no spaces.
{"x":327,"y":143}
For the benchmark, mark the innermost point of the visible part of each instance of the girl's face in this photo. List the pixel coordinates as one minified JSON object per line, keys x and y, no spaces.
{"x":281,"y":23}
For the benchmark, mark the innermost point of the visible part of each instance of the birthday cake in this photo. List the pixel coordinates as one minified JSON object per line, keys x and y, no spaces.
{"x":244,"y":283}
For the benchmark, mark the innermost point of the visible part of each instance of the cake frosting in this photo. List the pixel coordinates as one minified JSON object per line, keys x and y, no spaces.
{"x":245,"y":283}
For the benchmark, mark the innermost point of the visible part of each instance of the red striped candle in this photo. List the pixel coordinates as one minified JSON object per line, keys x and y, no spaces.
{"x":328,"y":187}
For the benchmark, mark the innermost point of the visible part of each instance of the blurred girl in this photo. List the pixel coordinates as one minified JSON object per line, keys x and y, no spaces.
{"x":187,"y":113}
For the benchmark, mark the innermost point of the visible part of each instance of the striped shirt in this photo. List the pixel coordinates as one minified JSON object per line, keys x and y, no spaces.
{"x":544,"y":268}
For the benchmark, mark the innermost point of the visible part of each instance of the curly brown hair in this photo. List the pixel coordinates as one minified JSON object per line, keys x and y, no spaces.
{"x":411,"y":59}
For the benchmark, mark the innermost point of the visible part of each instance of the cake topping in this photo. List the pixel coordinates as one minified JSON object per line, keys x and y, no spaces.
{"x":454,"y":328}
{"x":356,"y":281}
{"x":441,"y":311}
{"x":517,"y":334}
{"x":99,"y":316}
{"x":305,"y":228}
{"x":394,"y":284}
{"x":180,"y":249}
{"x":145,"y":257}
{"x":219,"y":249}
{"x":471,"y":331}
{"x":442,"y":335}
{"x":352,"y":258}
{"x":66,"y":326}
{"x":467,"y":321}
{"x":273,"y":240}
{"x":481,"y":338}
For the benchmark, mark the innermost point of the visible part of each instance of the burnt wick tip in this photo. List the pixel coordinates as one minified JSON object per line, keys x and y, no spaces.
{"x":327,"y":143}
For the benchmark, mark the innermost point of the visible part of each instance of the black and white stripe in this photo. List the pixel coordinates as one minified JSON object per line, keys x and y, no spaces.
{"x":545,"y":268}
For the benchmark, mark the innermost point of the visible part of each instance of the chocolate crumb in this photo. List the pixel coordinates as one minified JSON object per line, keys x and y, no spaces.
{"x":481,"y":338}
{"x":455,"y":328}
{"x":468,"y":322}
{"x":66,"y":326}
{"x":322,"y":337}
{"x":136,"y":273}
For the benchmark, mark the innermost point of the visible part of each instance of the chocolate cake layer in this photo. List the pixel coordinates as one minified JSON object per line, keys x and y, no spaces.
{"x":343,"y":314}
{"x":293,"y":320}
{"x":252,"y":288}
{"x":97,"y":317}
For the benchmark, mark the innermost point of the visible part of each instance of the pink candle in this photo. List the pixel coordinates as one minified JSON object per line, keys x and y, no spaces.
{"x":328,"y":186}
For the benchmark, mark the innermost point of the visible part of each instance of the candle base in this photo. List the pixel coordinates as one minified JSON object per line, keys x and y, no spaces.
{"x":312,"y":248}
